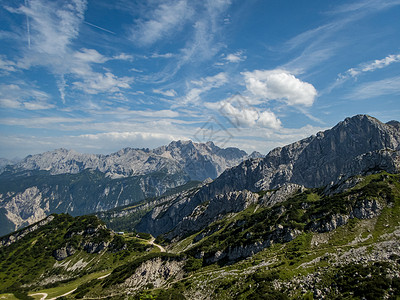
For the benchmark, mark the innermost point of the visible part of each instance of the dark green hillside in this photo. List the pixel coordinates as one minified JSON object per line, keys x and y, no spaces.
{"x":41,"y":254}
{"x":308,"y":212}
{"x":314,"y":245}
{"x":292,"y":250}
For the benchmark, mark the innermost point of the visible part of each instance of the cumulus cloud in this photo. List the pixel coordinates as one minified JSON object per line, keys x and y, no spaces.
{"x":246,"y":116}
{"x":279,"y":85}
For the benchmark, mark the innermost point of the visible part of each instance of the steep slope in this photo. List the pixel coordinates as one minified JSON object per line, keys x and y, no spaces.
{"x":60,"y":249}
{"x":311,"y":245}
{"x":27,"y":198}
{"x":358,"y":145}
{"x":315,"y":244}
{"x":70,"y":182}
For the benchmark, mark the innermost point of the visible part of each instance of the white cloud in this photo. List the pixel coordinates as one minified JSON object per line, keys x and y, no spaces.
{"x":249,"y":117}
{"x":123,"y":56}
{"x":43,"y":122}
{"x":279,"y":85}
{"x":370,"y":66}
{"x":235,"y":57}
{"x":7,"y":65}
{"x":161,"y":22}
{"x":90,"y":56}
{"x":101,"y":83}
{"x":204,"y":85}
{"x":53,"y":24}
{"x":9,"y":103}
{"x":165,"y":55}
{"x":23,"y":97}
{"x":168,"y":93}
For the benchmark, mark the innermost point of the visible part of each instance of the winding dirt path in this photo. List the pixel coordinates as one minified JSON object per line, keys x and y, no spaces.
{"x":42,"y":294}
{"x":151,"y":242}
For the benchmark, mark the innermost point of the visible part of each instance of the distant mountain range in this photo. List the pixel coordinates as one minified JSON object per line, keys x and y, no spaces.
{"x":71,"y":182}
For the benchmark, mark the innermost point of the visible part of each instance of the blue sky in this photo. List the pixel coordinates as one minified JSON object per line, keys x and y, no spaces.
{"x":97,"y":76}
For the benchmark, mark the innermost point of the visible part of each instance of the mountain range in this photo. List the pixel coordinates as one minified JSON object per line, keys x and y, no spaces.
{"x":356,"y":146}
{"x":65,"y":181}
{"x":316,"y":219}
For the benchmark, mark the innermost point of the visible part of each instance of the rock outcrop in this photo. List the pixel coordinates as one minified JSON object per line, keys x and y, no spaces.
{"x":357,"y":146}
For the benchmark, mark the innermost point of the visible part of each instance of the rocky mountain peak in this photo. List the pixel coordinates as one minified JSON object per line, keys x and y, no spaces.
{"x":356,"y":146}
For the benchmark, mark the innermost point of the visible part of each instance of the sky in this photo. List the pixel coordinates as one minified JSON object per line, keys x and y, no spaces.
{"x":98,"y":75}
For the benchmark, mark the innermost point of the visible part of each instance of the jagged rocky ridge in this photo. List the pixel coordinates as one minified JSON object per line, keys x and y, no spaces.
{"x":198,"y":160}
{"x":357,"y":145}
{"x":66,"y":181}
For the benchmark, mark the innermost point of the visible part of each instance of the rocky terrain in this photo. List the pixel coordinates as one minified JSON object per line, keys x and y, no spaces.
{"x":64,"y":181}
{"x":261,"y":230}
{"x":358,"y":145}
{"x":198,"y":160}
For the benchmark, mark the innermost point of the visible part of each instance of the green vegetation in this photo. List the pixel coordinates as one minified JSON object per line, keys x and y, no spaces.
{"x":298,"y":257}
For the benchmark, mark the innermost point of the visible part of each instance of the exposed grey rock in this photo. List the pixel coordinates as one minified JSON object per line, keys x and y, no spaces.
{"x":366,"y":209}
{"x":357,"y":146}
{"x":157,"y":271}
{"x":198,"y":160}
{"x":208,"y":212}
{"x":330,"y":223}
{"x":108,"y":181}
{"x":279,"y":235}
{"x":64,"y":252}
{"x":91,"y":247}
{"x":281,"y":194}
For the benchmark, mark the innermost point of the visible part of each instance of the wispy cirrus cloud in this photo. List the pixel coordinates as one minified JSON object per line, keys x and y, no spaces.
{"x":161,"y":22}
{"x":201,"y":86}
{"x":21,"y":96}
{"x":7,"y":65}
{"x":373,"y":89}
{"x":322,"y":43}
{"x":53,"y":26}
{"x":370,"y":66}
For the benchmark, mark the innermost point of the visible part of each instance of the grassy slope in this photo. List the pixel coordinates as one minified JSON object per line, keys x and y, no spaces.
{"x":278,"y":271}
{"x":30,"y":260}
{"x":309,"y":254}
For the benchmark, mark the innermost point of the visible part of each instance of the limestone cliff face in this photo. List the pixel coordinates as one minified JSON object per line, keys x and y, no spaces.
{"x":358,"y":145}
